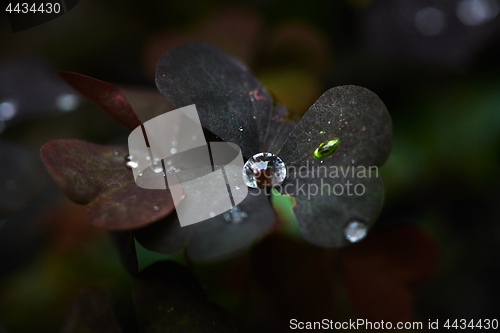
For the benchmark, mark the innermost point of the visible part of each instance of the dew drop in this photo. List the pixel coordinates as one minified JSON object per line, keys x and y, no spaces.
{"x":156,"y":166}
{"x":173,"y":151}
{"x":326,"y":148}
{"x":241,"y":129}
{"x":116,"y":153}
{"x":321,"y":132}
{"x":156,"y":207}
{"x":254,"y":117}
{"x":131,"y":162}
{"x":235,"y":215}
{"x":212,"y":214}
{"x":355,"y":231}
{"x":264,"y":169}
{"x":148,"y":158}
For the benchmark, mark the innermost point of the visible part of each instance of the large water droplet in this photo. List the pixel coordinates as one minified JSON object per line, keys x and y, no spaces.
{"x":355,"y":231}
{"x":264,"y":169}
{"x":326,"y":148}
{"x":131,"y":162}
{"x":235,"y":215}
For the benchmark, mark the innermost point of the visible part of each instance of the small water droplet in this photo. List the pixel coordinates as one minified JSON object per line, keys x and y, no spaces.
{"x":173,"y":151}
{"x":131,"y":162}
{"x":157,"y":168}
{"x":237,"y":187}
{"x":321,"y":132}
{"x":241,"y":129}
{"x":116,"y":153}
{"x":212,"y":214}
{"x":148,"y":158}
{"x":264,"y":169}
{"x":235,"y":215}
{"x":156,"y":207}
{"x":326,"y":148}
{"x":254,"y":117}
{"x":355,"y":231}
{"x":139,"y":173}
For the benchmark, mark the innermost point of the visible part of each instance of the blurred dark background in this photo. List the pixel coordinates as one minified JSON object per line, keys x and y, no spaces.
{"x":434,"y":63}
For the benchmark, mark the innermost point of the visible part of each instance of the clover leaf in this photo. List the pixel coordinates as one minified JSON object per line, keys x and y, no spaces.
{"x":234,"y":107}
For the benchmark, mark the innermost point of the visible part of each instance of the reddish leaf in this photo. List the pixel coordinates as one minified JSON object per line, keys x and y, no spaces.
{"x":96,"y":175}
{"x":106,"y":95}
{"x":382,"y":272}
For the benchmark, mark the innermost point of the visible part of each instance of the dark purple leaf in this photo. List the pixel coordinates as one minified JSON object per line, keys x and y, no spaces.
{"x":96,"y":175}
{"x":231,"y":103}
{"x":107,"y":96}
{"x":353,"y":114}
{"x":215,"y":238}
{"x":332,"y":190}
{"x":168,"y":298}
{"x":91,"y":312}
{"x":323,"y":218}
